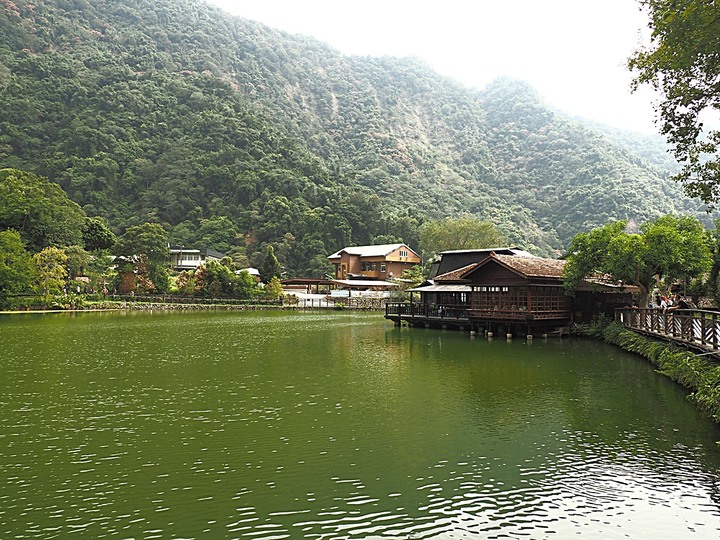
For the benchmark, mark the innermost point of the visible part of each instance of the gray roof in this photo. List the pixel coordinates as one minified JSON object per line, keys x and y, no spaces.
{"x":370,"y":251}
{"x":442,"y":287}
{"x":509,"y":250}
{"x":363,"y":283}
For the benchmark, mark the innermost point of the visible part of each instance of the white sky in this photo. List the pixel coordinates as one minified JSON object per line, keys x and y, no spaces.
{"x":572,"y":51}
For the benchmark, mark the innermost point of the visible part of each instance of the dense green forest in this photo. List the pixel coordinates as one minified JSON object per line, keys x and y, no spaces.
{"x":235,"y":136}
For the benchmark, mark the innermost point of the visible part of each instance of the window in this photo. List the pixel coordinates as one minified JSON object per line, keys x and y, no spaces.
{"x":383,"y":268}
{"x":403,"y":253}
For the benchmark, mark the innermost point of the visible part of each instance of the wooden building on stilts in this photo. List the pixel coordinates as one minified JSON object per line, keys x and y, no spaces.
{"x":507,"y":294}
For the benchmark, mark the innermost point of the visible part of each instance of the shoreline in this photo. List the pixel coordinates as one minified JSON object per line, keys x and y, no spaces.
{"x":156,"y":306}
{"x":698,"y":374}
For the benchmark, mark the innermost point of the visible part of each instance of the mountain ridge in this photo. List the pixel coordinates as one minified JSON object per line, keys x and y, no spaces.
{"x":174,"y":111}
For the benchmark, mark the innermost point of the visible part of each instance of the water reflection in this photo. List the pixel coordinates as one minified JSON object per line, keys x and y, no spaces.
{"x":275,"y":425}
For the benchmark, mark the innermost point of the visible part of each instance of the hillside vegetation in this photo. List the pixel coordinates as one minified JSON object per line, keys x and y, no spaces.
{"x":236,"y":136}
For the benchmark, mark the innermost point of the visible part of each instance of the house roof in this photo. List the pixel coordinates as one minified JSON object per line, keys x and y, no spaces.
{"x":526,"y":266}
{"x":205,"y":252}
{"x":455,"y":259}
{"x":442,"y":287}
{"x":455,"y":275}
{"x":369,"y":251}
{"x":504,"y":250}
{"x":361,"y":283}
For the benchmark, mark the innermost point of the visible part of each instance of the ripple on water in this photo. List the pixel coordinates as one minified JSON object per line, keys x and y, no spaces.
{"x":361,"y":432}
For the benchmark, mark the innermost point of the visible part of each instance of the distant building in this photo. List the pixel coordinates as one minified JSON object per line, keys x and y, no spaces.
{"x":373,"y":262}
{"x":182,"y":258}
{"x":254,"y":272}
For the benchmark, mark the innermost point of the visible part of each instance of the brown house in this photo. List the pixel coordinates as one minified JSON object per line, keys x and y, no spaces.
{"x":507,"y":288}
{"x":509,"y":293}
{"x":373,"y":262}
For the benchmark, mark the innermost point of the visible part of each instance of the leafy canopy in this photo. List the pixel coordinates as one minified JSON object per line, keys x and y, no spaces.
{"x":683,"y":64}
{"x":96,"y":235}
{"x":145,"y":248}
{"x":15,"y":267}
{"x":271,"y":266}
{"x":148,"y":239}
{"x":465,"y":232}
{"x":39,"y":210}
{"x":50,"y":270}
{"x":664,"y":250}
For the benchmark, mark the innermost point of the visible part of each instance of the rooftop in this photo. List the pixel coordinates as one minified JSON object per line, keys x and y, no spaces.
{"x":532,"y":266}
{"x":369,"y":251}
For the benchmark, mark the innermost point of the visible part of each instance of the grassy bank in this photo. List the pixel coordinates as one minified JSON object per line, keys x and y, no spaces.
{"x":699,"y":374}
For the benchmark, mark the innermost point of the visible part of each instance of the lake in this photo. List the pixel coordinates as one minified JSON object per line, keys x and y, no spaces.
{"x":339,"y":425}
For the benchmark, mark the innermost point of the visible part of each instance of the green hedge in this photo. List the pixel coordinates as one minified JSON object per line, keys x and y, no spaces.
{"x":699,"y":374}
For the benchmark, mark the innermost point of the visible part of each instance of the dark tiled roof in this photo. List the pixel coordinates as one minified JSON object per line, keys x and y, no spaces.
{"x":455,"y":275}
{"x":533,"y":266}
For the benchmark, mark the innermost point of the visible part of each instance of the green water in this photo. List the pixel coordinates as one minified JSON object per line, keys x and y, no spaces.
{"x":329,"y":426}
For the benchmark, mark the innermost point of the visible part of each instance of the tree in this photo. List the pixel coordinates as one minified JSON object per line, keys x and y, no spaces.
{"x":214,"y":279}
{"x":465,"y":232}
{"x":273,"y":289}
{"x":78,"y":261}
{"x":682,"y":64}
{"x":50,"y":272}
{"x":217,"y":232}
{"x":245,"y":285}
{"x":271,"y":266}
{"x":146,"y":247}
{"x":39,"y":210}
{"x":15,"y":265}
{"x":96,"y":235}
{"x":664,"y":250}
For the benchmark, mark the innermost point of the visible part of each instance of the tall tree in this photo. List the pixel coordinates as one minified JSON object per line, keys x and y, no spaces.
{"x":465,"y":232}
{"x":683,"y":64}
{"x":271,"y":266}
{"x":15,"y":266}
{"x":50,"y":271}
{"x":146,"y":246}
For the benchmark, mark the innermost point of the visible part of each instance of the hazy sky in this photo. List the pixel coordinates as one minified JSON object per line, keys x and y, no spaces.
{"x":572,"y":51}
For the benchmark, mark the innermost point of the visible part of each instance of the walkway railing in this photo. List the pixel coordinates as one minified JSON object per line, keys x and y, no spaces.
{"x":694,"y":327}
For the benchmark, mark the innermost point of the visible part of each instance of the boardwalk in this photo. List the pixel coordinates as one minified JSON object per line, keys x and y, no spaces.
{"x":695,"y":328}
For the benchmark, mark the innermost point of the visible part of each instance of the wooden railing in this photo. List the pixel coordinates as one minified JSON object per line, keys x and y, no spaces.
{"x":412,"y":310}
{"x":694,"y":327}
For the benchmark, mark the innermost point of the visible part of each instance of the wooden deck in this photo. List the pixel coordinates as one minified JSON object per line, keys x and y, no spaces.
{"x":462,"y":316}
{"x":696,"y":328}
{"x":514,"y":315}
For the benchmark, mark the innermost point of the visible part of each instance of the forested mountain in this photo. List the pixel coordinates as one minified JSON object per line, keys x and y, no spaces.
{"x":236,"y":136}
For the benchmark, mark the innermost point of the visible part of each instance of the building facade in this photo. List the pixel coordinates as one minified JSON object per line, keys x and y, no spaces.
{"x":379,"y":262}
{"x":182,"y":258}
